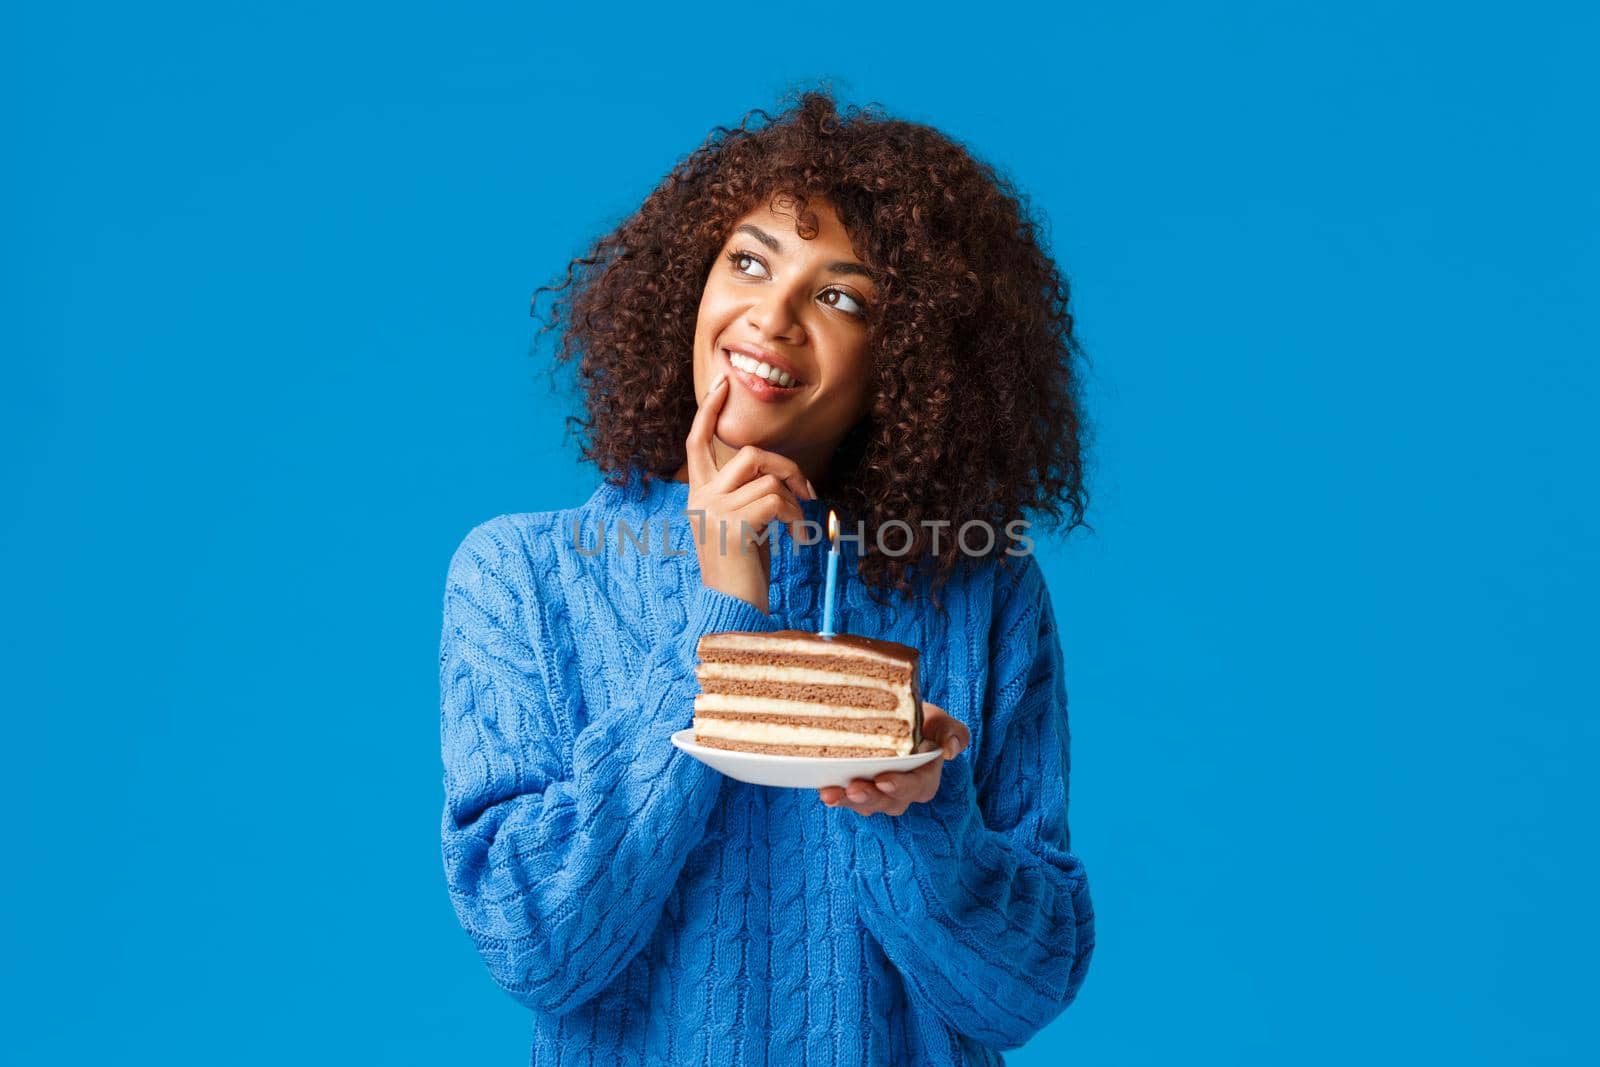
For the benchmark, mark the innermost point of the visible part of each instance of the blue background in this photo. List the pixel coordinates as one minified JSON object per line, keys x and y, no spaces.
{"x":1331,"y":645}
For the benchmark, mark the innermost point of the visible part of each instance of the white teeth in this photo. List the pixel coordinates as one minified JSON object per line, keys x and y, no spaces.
{"x":760,"y":369}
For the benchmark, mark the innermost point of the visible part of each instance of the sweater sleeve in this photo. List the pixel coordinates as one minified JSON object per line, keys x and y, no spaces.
{"x":976,"y":896}
{"x":560,"y":851}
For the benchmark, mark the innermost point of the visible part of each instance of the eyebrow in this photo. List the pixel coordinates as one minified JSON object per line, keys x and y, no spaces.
{"x":841,"y":267}
{"x":761,"y":235}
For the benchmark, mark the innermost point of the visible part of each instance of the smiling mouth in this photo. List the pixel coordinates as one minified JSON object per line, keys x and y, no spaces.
{"x":760,"y":376}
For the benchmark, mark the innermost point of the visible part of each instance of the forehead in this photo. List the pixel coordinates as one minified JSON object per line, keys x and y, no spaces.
{"x":777,"y":219}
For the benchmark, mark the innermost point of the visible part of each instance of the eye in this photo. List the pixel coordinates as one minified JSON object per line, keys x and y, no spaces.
{"x":748,"y":263}
{"x":838,"y":298}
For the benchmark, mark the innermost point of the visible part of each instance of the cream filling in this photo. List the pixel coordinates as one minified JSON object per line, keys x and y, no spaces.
{"x":771,"y":733}
{"x":744,"y":702}
{"x":756,"y":672}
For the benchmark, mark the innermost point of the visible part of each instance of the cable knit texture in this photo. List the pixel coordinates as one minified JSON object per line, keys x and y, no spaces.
{"x":650,"y":911}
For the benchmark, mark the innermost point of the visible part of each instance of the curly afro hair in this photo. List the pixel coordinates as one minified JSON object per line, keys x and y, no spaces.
{"x":975,"y":366}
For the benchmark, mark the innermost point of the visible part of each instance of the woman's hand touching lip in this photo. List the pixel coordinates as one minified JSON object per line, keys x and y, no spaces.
{"x":741,"y":497}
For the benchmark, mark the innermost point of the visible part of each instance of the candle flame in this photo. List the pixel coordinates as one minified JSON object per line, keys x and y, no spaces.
{"x":833,"y":527}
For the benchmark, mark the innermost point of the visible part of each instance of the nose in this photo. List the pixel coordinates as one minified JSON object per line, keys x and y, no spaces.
{"x":775,"y":318}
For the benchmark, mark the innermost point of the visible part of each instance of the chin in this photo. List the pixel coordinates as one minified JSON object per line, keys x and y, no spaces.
{"x":736,"y":433}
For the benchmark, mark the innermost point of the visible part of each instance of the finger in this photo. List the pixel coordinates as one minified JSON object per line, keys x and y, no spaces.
{"x":773,"y":506}
{"x":751,"y":462}
{"x":762,"y":511}
{"x":898,"y":783}
{"x":863,"y":796}
{"x":701,"y":454}
{"x":754,"y":490}
{"x":906,"y":783}
{"x":917,"y":786}
{"x":770,"y":485}
{"x":838,"y":797}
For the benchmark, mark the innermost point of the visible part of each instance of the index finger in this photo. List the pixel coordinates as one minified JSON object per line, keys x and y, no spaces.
{"x":700,"y":451}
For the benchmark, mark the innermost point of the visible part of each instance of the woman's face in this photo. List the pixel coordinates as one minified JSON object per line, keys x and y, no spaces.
{"x":784,"y":319}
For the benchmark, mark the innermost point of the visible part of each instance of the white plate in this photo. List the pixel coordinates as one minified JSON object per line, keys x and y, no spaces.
{"x":796,"y":772}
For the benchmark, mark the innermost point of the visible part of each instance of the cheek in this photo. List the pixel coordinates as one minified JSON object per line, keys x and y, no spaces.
{"x":858,"y":369}
{"x":716,"y":307}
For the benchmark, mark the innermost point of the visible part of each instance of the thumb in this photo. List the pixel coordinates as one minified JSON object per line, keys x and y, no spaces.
{"x":944,"y":734}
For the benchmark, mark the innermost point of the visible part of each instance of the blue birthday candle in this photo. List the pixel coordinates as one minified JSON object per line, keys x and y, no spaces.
{"x":833,"y":574}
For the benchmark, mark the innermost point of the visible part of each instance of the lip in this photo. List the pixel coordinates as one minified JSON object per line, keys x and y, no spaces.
{"x":756,"y":385}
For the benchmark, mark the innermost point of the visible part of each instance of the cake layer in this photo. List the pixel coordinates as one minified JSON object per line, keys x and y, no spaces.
{"x":799,"y":675}
{"x":889,"y":672}
{"x":849,"y":696}
{"x":830,"y":751}
{"x":775,"y":734}
{"x":897,"y":727}
{"x":728,"y":702}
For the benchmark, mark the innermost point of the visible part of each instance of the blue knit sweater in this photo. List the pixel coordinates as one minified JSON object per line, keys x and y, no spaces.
{"x":649,"y":910}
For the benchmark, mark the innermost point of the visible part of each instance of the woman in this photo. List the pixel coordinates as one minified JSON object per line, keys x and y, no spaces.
{"x":814,"y":311}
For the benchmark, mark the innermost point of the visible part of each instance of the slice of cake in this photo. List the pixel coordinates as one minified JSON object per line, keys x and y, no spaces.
{"x":795,"y":693}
